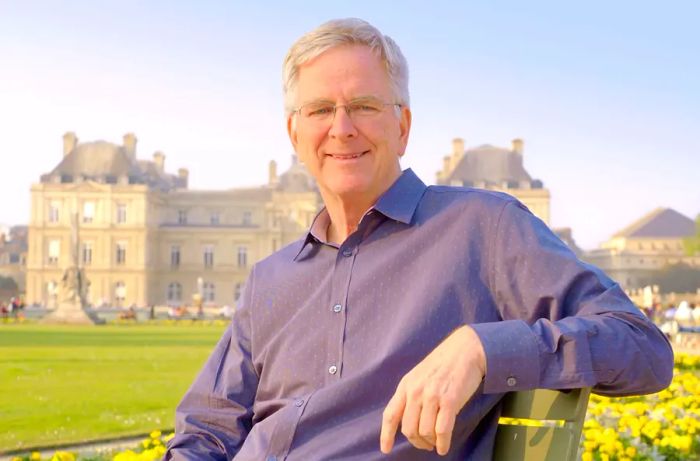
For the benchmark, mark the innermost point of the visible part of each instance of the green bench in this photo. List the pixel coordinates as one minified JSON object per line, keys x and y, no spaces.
{"x":559,"y":416}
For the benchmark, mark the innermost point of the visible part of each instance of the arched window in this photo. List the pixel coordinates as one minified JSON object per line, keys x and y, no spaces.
{"x":119,"y":293}
{"x":208,"y":292}
{"x":174,"y":295}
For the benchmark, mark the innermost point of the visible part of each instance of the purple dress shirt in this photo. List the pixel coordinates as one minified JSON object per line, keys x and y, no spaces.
{"x":324,"y":333}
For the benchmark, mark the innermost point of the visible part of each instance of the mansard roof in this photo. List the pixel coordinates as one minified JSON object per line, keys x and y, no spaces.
{"x":660,"y":223}
{"x":491,"y":165}
{"x":106,"y":162}
{"x":296,"y":179}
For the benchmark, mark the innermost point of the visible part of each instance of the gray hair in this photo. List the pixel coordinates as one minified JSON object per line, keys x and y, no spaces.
{"x":351,"y":31}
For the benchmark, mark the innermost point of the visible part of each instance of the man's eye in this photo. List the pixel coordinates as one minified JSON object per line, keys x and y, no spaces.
{"x":364,"y":108}
{"x":319,"y":111}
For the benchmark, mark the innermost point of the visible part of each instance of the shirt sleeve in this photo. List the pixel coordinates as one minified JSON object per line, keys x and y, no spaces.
{"x":215,"y":416}
{"x":565,"y":323}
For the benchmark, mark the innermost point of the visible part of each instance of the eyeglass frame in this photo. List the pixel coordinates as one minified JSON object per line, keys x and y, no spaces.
{"x":346,"y":106}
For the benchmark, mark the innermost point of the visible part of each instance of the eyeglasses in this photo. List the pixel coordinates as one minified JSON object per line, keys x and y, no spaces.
{"x":359,"y":110}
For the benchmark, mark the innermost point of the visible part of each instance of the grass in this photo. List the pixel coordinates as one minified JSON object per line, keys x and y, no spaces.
{"x":65,"y":384}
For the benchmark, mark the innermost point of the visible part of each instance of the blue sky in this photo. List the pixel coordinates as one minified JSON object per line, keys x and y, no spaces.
{"x":606,"y":95}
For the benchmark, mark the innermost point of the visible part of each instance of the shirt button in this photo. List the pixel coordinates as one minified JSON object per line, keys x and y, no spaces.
{"x":298,"y":402}
{"x":511,"y":381}
{"x":332,"y":369}
{"x":337,"y":308}
{"x":347,"y":252}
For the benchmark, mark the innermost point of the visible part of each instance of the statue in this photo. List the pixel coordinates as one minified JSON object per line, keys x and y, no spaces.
{"x":74,"y":286}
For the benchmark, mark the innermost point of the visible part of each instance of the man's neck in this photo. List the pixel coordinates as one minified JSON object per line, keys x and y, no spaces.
{"x":344,"y":218}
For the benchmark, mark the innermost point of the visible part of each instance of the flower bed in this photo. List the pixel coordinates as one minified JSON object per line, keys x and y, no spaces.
{"x":662,"y":426}
{"x":659,"y":427}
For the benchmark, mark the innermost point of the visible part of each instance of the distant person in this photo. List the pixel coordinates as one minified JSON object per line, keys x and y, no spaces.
{"x":393,"y":327}
{"x":695,"y":314}
{"x":683,"y":315}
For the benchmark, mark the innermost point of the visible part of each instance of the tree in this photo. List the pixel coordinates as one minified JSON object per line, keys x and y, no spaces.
{"x":692,"y":243}
{"x":677,"y":278}
{"x":8,"y":284}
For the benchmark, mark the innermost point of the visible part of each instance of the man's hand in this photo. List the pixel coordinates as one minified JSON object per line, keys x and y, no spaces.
{"x":428,"y":397}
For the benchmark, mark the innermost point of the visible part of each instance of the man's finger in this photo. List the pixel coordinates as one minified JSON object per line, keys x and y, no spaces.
{"x":428,"y":417}
{"x":409,"y":423}
{"x":444,"y":425}
{"x":391,"y":419}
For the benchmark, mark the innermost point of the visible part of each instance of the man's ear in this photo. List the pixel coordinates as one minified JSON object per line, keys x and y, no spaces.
{"x":292,"y":130}
{"x":405,"y":129}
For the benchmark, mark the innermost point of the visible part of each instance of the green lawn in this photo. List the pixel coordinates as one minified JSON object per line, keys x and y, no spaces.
{"x":63,"y":384}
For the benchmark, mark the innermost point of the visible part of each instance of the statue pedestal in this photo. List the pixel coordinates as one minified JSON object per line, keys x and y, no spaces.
{"x":69,"y":313}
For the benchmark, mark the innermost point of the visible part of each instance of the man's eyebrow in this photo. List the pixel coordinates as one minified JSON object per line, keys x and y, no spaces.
{"x":361,"y":98}
{"x":317,"y":101}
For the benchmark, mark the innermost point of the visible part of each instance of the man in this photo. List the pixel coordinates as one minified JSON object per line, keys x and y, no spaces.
{"x":393,"y":328}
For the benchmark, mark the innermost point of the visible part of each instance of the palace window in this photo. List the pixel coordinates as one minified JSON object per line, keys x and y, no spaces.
{"x":121,"y":253}
{"x":87,"y":253}
{"x":54,"y":251}
{"x":247,"y":218}
{"x":242,"y":256}
{"x":54,"y":211}
{"x":52,"y":290}
{"x":214,"y":219}
{"x":88,"y":212}
{"x":182,"y":216}
{"x":121,"y":213}
{"x":174,"y":293}
{"x":208,"y":292}
{"x":175,"y":256}
{"x":208,"y":256}
{"x":120,"y":293}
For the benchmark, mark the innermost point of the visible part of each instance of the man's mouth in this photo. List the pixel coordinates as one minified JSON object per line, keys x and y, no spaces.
{"x":348,"y":156}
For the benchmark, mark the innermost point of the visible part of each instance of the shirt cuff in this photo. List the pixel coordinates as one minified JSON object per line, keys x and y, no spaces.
{"x":512,"y":356}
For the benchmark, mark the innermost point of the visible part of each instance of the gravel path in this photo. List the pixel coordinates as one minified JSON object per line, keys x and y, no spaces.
{"x":87,"y":448}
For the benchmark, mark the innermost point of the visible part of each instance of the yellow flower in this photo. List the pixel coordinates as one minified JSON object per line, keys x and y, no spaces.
{"x":587,"y":456}
{"x":63,"y":456}
{"x":155,"y":434}
{"x":36,"y":456}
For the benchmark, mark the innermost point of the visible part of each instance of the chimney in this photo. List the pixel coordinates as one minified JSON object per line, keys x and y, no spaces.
{"x":69,"y":142}
{"x":130,"y":145}
{"x":457,"y":152}
{"x":446,"y":165}
{"x":517,"y":146}
{"x":159,"y":160}
{"x":457,"y":147}
{"x":272,"y":172}
{"x":183,"y":174}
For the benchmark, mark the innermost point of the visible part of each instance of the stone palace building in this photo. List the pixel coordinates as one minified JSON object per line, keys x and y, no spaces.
{"x":145,"y":238}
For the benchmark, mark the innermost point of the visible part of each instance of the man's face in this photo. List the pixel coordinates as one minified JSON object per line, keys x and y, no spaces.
{"x":350,"y":158}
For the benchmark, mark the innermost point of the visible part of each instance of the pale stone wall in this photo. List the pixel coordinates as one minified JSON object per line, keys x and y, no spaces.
{"x":261,"y":220}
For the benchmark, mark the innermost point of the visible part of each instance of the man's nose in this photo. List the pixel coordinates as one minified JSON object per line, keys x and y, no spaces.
{"x":342,"y":125}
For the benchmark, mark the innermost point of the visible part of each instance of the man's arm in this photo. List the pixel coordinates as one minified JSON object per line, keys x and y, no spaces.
{"x":215,"y":415}
{"x":565,"y":325}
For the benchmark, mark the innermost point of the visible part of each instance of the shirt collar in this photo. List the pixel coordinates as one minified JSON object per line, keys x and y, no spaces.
{"x":399,"y":203}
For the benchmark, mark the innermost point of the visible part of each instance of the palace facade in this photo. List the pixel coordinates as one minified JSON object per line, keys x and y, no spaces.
{"x":145,"y":238}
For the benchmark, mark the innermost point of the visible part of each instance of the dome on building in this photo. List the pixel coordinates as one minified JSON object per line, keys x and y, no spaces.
{"x":106,"y":162}
{"x":296,"y":179}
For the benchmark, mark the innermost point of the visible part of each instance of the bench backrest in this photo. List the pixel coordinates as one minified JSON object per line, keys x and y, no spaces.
{"x":561,"y":412}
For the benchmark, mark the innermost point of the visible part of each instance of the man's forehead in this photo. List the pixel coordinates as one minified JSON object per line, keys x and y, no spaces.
{"x":355,"y":69}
